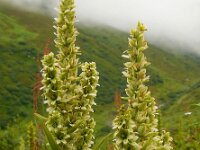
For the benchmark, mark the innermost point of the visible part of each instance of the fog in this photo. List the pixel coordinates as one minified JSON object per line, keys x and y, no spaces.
{"x":169,"y":22}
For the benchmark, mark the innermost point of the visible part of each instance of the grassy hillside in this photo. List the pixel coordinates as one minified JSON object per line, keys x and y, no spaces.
{"x":174,"y":81}
{"x":17,"y":63}
{"x":186,"y":103}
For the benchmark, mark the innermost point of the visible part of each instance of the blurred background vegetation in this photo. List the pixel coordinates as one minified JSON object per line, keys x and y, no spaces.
{"x":175,"y":77}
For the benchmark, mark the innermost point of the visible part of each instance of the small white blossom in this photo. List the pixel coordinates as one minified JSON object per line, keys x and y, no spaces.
{"x":187,"y":113}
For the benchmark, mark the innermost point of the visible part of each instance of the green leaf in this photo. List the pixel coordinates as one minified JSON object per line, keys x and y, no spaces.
{"x":125,"y":98}
{"x":39,"y":118}
{"x":75,"y":127}
{"x":51,"y":140}
{"x":101,"y":141}
{"x":196,"y":104}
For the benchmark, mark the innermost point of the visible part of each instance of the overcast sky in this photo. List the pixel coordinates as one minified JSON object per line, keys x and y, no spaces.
{"x":168,"y":21}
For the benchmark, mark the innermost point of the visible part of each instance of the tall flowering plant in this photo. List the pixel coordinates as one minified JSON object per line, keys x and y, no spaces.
{"x":68,"y":93}
{"x":136,"y":125}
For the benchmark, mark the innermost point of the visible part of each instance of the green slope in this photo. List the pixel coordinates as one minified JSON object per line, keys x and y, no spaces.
{"x":186,"y":103}
{"x":17,"y":64}
{"x":24,"y":34}
{"x":182,"y":119}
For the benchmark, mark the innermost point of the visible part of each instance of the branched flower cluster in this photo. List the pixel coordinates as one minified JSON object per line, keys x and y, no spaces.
{"x":69,"y":96}
{"x":140,"y":132}
{"x":125,"y":138}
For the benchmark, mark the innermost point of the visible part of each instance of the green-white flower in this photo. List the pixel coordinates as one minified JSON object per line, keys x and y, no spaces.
{"x":125,"y":137}
{"x":141,"y":109}
{"x":69,"y":95}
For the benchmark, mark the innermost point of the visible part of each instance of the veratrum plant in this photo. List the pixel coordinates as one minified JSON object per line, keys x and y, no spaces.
{"x":136,"y":125}
{"x":69,"y":96}
{"x":31,"y":136}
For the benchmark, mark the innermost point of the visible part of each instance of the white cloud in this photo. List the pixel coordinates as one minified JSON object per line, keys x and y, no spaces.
{"x":175,"y":20}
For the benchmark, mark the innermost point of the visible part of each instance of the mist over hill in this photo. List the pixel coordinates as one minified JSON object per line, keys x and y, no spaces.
{"x":173,"y":23}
